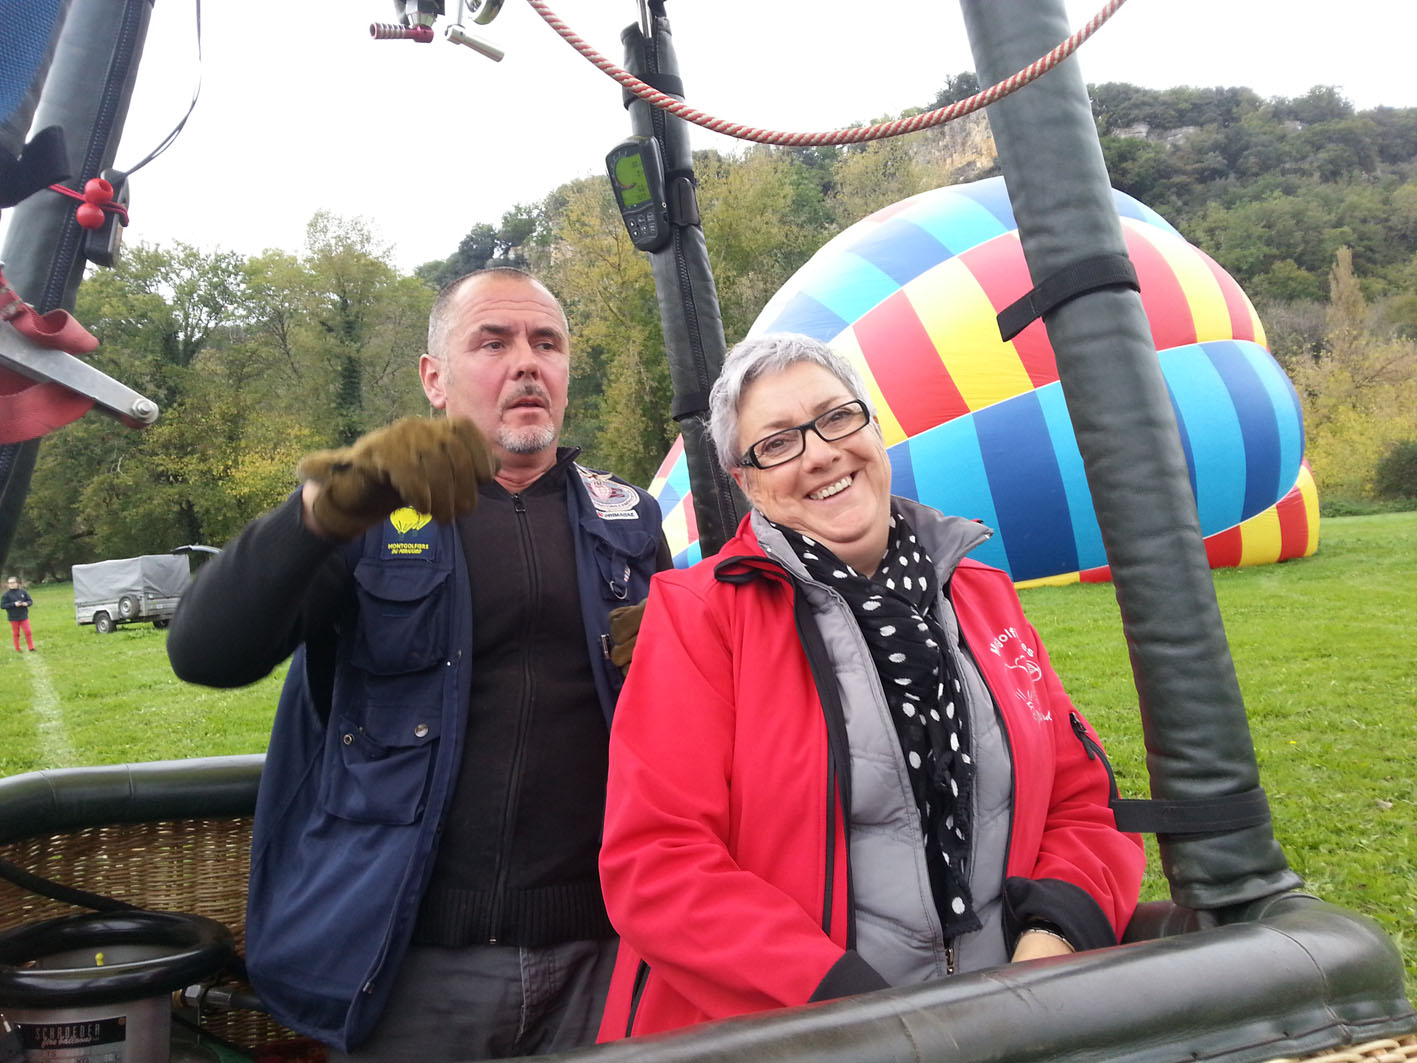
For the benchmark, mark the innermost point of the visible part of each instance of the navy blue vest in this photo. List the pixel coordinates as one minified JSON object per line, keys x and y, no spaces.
{"x":353,"y":792}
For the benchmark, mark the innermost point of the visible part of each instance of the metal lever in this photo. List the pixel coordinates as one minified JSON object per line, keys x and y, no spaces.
{"x":22,"y":355}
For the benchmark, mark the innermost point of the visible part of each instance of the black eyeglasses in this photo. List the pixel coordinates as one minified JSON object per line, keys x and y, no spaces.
{"x":788,"y":443}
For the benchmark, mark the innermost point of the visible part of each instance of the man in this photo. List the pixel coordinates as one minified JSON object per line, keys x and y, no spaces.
{"x":16,"y":602}
{"x":423,"y":872}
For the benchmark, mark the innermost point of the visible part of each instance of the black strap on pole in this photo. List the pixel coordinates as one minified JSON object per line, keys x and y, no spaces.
{"x":1089,"y":275}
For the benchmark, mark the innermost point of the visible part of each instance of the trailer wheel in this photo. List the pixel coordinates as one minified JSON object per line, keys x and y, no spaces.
{"x":103,"y":623}
{"x":127,"y":607}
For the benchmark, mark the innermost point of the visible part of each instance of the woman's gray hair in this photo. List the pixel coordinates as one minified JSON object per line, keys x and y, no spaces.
{"x":758,"y":356}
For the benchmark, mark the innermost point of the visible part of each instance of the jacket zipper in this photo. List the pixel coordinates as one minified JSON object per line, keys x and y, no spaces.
{"x":1008,"y":751}
{"x":641,"y":978}
{"x":1094,"y":751}
{"x":519,"y":746}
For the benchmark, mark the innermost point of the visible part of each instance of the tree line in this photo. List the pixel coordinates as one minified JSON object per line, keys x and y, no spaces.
{"x":1310,"y":205}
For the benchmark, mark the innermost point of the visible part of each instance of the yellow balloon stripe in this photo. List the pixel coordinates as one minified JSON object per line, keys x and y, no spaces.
{"x":1204,"y":298}
{"x":962,"y":325}
{"x":846,"y":345}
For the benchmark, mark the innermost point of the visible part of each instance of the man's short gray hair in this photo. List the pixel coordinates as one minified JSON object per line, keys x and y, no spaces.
{"x":758,"y":356}
{"x":440,"y":317}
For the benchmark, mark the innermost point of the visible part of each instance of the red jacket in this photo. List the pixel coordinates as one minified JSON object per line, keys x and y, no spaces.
{"x":715,"y":862}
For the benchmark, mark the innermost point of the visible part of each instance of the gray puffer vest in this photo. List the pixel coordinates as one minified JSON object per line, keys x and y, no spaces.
{"x":897,"y":927}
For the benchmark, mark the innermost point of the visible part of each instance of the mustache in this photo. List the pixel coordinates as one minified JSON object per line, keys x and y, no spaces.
{"x":529,"y":390}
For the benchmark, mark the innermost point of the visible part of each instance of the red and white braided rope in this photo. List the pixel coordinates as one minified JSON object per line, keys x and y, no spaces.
{"x":853,"y":135}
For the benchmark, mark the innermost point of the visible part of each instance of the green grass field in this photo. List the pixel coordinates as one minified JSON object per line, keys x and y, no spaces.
{"x":1321,"y":648}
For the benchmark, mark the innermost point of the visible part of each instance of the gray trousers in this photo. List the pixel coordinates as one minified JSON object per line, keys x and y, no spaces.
{"x":490,"y":1002}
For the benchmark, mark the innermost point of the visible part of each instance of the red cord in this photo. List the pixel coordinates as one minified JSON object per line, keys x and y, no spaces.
{"x":854,"y":135}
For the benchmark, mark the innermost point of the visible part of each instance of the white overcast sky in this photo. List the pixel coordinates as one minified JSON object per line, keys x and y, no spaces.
{"x":300,"y":110}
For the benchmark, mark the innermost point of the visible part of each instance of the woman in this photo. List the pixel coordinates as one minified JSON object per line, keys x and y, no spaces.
{"x":841,"y":760}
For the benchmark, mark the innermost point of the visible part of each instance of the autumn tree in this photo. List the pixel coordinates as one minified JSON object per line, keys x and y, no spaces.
{"x":1359,"y":394}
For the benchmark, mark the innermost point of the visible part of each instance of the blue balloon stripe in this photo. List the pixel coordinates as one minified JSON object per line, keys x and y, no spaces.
{"x":1184,"y":434}
{"x":1027,"y":487}
{"x":1289,"y":414}
{"x":958,"y":223}
{"x":902,"y":471}
{"x":900,"y":249}
{"x":1258,"y":425}
{"x":992,"y":196}
{"x":848,"y":286}
{"x":1128,"y":207}
{"x":1087,"y":536}
{"x":1212,"y":433}
{"x":948,"y":468}
{"x":805,"y":315}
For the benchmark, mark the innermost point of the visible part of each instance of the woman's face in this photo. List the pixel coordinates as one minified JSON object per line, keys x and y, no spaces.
{"x":836,"y":493}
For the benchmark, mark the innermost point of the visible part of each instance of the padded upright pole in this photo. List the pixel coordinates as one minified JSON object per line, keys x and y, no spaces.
{"x":683,"y":280}
{"x":1198,"y":743}
{"x":86,"y":94}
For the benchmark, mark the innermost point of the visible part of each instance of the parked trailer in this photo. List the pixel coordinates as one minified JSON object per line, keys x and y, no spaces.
{"x":127,"y":590}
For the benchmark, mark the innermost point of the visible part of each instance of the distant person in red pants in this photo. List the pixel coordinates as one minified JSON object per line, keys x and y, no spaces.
{"x":16,"y":602}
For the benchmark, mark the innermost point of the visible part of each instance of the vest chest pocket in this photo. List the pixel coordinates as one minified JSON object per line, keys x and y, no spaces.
{"x":376,"y":771}
{"x":402,"y":624}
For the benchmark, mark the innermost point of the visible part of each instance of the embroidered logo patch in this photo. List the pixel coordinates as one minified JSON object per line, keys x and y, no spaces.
{"x":408,"y":519}
{"x":1019,"y":656}
{"x":612,"y":500}
{"x":412,"y":535}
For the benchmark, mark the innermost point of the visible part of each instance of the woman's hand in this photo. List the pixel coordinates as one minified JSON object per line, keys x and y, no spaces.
{"x":1035,"y":944}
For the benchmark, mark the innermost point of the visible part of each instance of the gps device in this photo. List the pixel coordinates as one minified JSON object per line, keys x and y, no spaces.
{"x":637,"y":177}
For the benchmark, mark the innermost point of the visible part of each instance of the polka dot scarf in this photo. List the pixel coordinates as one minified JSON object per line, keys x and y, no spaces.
{"x":924,"y":696}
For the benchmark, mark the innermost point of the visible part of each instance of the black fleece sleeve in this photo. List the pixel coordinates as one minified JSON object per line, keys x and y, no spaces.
{"x":849,"y":975}
{"x":1066,"y":907}
{"x":248,"y":608}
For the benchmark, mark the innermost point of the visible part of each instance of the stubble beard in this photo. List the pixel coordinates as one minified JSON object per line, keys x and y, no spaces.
{"x":529,"y":440}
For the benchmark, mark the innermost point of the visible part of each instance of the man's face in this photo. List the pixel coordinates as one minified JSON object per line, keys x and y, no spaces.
{"x":13,"y":582}
{"x":506,"y":364}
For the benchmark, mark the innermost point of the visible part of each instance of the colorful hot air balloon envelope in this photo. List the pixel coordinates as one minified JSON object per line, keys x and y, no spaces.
{"x":977,"y":426}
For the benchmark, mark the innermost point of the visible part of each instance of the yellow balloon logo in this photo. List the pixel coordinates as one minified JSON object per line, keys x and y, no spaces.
{"x":408,"y":519}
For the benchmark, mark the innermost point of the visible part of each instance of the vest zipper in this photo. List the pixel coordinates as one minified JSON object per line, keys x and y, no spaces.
{"x":509,"y":806}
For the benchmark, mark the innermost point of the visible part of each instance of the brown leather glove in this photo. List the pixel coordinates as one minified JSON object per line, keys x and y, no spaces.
{"x":624,"y":630}
{"x":431,"y":464}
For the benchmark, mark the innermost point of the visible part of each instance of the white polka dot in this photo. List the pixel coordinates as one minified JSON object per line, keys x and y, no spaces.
{"x":807,"y":555}
{"x":957,"y":906}
{"x":954,"y":741}
{"x":954,"y":787}
{"x":959,"y":834}
{"x":908,"y":585}
{"x":870,"y":606}
{"x":950,"y":710}
{"x":888,"y":630}
{"x":940,"y":692}
{"x":956,"y":686}
{"x":914,"y":760}
{"x":931,"y":643}
{"x":912,"y":697}
{"x":924,"y":627}
{"x":934,"y":715}
{"x":908,"y":709}
{"x":950,"y":820}
{"x":965,"y":757}
{"x":839,"y":574}
{"x":917,"y":555}
{"x":912,"y":538}
{"x":897,"y":658}
{"x":809,"y":541}
{"x":946,"y":856}
{"x":892,"y":522}
{"x":891,"y":584}
{"x":901,"y":681}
